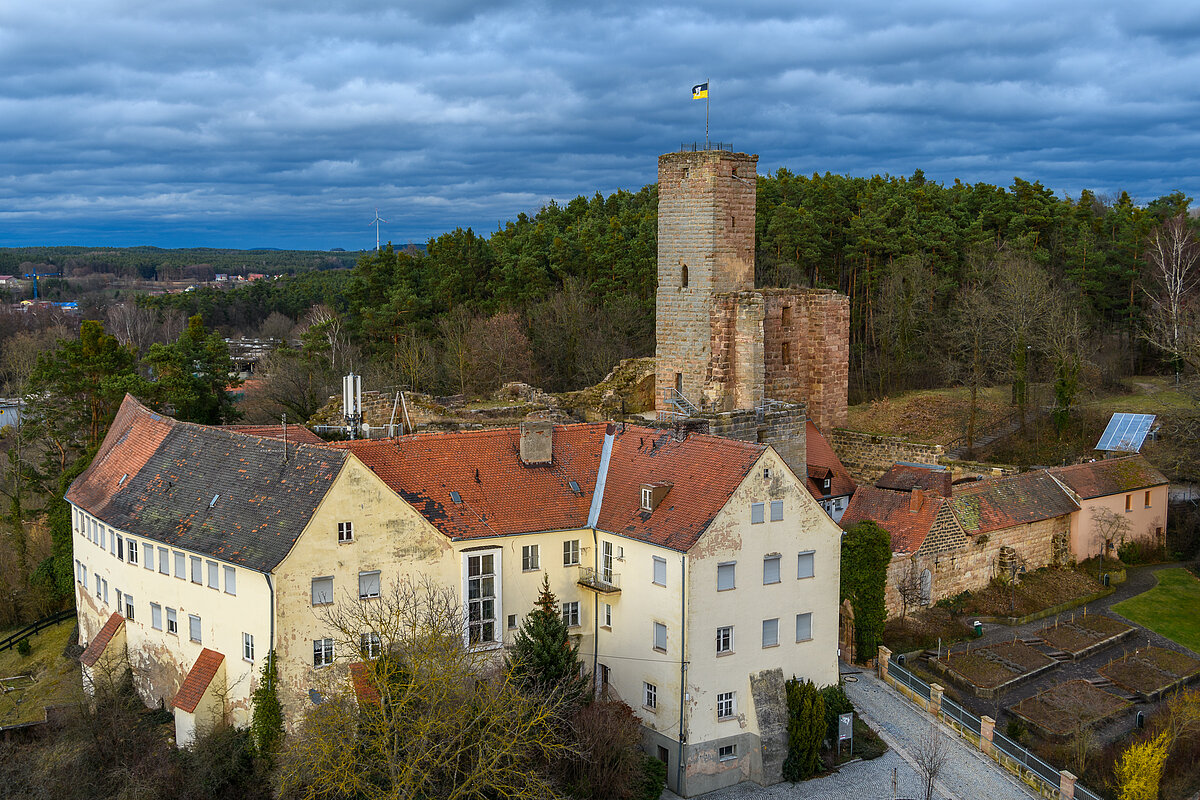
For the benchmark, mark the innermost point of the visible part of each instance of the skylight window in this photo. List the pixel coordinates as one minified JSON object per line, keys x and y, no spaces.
{"x":574,"y":487}
{"x":213,"y":502}
{"x":456,"y":497}
{"x":123,"y":478}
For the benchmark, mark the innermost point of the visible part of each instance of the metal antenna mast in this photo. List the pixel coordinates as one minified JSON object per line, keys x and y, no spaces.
{"x":376,"y":222}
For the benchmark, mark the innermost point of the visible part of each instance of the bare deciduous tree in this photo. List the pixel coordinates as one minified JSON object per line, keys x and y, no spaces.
{"x":908,"y":586}
{"x":1109,"y":531}
{"x":930,"y":755}
{"x":1173,"y":255}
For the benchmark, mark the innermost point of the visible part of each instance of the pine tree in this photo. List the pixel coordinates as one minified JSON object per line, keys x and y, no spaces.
{"x":543,"y":656}
{"x":266,"y":722}
{"x":805,"y":731}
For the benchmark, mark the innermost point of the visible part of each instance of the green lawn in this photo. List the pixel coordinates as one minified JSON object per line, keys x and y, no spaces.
{"x":51,"y":680}
{"x":1172,"y":608}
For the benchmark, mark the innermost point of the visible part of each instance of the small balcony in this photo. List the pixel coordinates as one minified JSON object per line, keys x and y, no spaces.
{"x":598,"y":581}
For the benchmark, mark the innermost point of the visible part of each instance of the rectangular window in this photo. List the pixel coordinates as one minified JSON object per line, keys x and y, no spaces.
{"x":164,"y":562}
{"x":194,"y":628}
{"x":214,"y":575}
{"x":649,"y":695}
{"x":727,"y":752}
{"x":512,"y":622}
{"x":322,"y":652}
{"x":197,"y":571}
{"x":725,"y":576}
{"x":105,"y":582}
{"x":570,"y":614}
{"x":529,"y":558}
{"x":605,"y":674}
{"x":570,"y":552}
{"x":156,"y":616}
{"x":322,"y":591}
{"x":1147,"y":499}
{"x":660,"y":571}
{"x":148,"y":556}
{"x":370,"y":644}
{"x":606,"y":616}
{"x":345,"y":531}
{"x":756,"y":513}
{"x":132,"y":551}
{"x":770,"y":632}
{"x":776,"y":510}
{"x":120,"y":552}
{"x":803,"y":627}
{"x":230,"y":580}
{"x":606,"y":562}
{"x":1128,"y":502}
{"x":647,"y":499}
{"x":770,"y":569}
{"x":248,"y":647}
{"x":99,"y":593}
{"x":804,"y":565}
{"x":725,"y":705}
{"x":172,"y":621}
{"x":368,"y":585}
{"x":112,"y":541}
{"x":128,"y":607}
{"x":660,"y":637}
{"x":725,"y":639}
{"x":180,"y":565}
{"x":481,"y":598}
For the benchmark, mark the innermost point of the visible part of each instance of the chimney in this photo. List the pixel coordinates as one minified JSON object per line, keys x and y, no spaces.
{"x":916,"y":499}
{"x":537,"y":442}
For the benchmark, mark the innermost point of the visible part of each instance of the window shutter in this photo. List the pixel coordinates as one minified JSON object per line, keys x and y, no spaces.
{"x":804,"y":566}
{"x":725,"y":576}
{"x":230,"y":580}
{"x":770,"y":632}
{"x":803,"y":627}
{"x":660,"y":571}
{"x":771,"y":569}
{"x":368,"y":584}
{"x":322,"y":591}
{"x":776,"y":510}
{"x":756,"y":513}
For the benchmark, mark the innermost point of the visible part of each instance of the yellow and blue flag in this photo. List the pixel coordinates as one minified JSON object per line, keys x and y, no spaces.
{"x":700,"y":91}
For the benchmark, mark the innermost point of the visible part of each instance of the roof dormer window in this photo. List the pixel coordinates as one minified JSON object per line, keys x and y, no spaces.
{"x":653,"y":494}
{"x":647,"y":498}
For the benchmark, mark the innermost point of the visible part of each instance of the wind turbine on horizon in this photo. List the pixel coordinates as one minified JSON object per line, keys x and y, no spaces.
{"x":376,"y":223}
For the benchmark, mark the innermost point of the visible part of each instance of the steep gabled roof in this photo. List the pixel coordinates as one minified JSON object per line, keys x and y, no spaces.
{"x":1109,"y":476}
{"x":296,"y":434}
{"x":906,"y":477}
{"x":500,"y":495}
{"x":823,"y":462}
{"x":198,"y":679}
{"x":893,"y":511}
{"x":1012,"y":500}
{"x":96,"y":647}
{"x":156,"y":477}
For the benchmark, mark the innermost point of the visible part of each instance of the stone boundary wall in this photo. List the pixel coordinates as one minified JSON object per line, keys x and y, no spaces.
{"x":866,"y":456}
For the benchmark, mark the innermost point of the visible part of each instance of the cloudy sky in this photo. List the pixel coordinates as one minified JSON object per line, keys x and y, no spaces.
{"x":284,"y":123}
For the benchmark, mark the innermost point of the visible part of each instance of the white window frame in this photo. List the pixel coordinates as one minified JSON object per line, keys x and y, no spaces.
{"x":777,"y":560}
{"x":659,"y":628}
{"x":570,"y":613}
{"x":757,"y":513}
{"x":156,"y":616}
{"x":129,"y":607}
{"x":606,"y":561}
{"x":727,"y":569}
{"x":131,"y":551}
{"x":649,"y":696}
{"x":571,"y":553}
{"x":164,"y":561}
{"x":770,"y":626}
{"x":809,"y":558}
{"x":531,"y":558}
{"x":322,"y":653}
{"x":606,"y":616}
{"x":647,"y":499}
{"x":776,"y":511}
{"x":148,"y":556}
{"x":724,"y":640}
{"x":230,"y":574}
{"x":660,"y":571}
{"x":322,"y":599}
{"x":172,"y":621}
{"x":180,"y":564}
{"x":367,"y":594}
{"x":195,"y":629}
{"x":248,"y":647}
{"x":475,"y":624}
{"x":370,"y":644}
{"x":727,"y":752}
{"x":197,"y":570}
{"x":214,"y":575}
{"x":726,"y":705}
{"x":806,"y":617}
{"x":345,"y":532}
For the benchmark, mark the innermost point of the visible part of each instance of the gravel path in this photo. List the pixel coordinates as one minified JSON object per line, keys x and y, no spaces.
{"x":966,"y":776}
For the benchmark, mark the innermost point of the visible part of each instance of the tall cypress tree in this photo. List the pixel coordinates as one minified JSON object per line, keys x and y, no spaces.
{"x":543,"y":656}
{"x":266,"y":721}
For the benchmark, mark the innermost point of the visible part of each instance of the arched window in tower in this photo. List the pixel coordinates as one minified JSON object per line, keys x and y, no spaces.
{"x":683,"y":277}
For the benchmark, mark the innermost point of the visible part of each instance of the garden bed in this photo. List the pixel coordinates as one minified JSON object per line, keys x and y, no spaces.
{"x":1151,"y":671}
{"x":1058,"y":712}
{"x":986,"y":671}
{"x":1083,"y":634}
{"x":1038,"y":590}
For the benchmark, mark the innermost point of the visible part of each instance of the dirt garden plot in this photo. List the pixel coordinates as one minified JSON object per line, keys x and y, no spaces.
{"x":1059,"y":711}
{"x":1081,"y":634}
{"x":986,"y":670}
{"x":1151,"y":671}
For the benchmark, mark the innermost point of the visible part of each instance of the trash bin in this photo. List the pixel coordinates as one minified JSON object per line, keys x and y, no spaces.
{"x":978,"y":628}
{"x":1106,"y":579}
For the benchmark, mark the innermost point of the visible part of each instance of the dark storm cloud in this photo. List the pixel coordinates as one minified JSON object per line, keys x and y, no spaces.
{"x":286,"y":123}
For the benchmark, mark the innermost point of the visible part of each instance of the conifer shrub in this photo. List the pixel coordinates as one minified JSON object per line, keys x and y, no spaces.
{"x":805,"y":731}
{"x":266,"y":721}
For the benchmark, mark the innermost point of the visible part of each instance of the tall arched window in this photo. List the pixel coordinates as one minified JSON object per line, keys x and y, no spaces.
{"x":683,"y":277}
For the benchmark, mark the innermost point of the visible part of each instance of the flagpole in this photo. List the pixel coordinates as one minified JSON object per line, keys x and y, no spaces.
{"x":708,"y":85}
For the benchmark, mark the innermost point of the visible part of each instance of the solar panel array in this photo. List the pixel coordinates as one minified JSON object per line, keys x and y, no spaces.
{"x":1126,"y":432}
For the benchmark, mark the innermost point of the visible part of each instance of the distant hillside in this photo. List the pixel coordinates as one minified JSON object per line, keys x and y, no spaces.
{"x":150,"y":263}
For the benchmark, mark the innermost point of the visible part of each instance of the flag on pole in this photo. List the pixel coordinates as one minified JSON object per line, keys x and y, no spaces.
{"x":700,"y":91}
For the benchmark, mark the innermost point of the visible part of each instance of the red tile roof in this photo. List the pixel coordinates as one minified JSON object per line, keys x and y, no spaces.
{"x":1109,"y":476}
{"x":500,"y":495}
{"x":198,"y":678}
{"x":893,"y":512}
{"x":92,"y":654}
{"x":1012,"y":500}
{"x":296,"y":434}
{"x":823,"y":462}
{"x":906,"y":477}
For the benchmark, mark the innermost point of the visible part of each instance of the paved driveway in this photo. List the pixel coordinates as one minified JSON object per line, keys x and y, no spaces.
{"x":968,"y":775}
